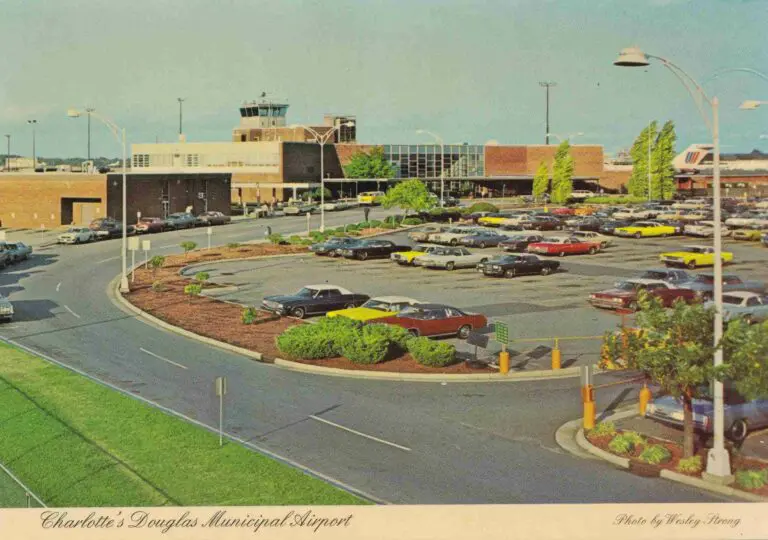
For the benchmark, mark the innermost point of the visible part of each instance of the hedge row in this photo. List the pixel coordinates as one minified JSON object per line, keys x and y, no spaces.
{"x":615,"y":200}
{"x":362,"y":344}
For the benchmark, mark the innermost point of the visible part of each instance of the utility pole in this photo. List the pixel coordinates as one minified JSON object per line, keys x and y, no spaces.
{"x":89,"y":110}
{"x":34,"y":152}
{"x":547,"y":85}
{"x":180,"y":100}
{"x":8,"y":155}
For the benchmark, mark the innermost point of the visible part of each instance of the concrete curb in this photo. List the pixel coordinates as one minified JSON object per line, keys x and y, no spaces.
{"x":582,"y":441}
{"x":205,"y":263}
{"x":703,"y":484}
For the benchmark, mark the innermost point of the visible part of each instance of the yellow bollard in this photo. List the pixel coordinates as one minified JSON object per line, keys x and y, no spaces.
{"x":556,"y":356}
{"x":588,"y":396}
{"x":645,"y":398}
{"x":504,"y":362}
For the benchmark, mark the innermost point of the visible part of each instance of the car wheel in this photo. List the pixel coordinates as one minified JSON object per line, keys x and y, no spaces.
{"x":691,"y":265}
{"x":481,"y":245}
{"x":363,"y":255}
{"x":562,"y":254}
{"x":592,"y":250}
{"x":453,"y":242}
{"x":559,"y":227}
{"x":633,"y":306}
{"x":450,"y":266}
{"x":738,"y":430}
{"x":413,"y":332}
{"x":748,"y":319}
{"x":298,"y":312}
{"x":350,"y":306}
{"x":638,"y":235}
{"x":510,"y":273}
{"x":464,"y":331}
{"x":546,"y":270}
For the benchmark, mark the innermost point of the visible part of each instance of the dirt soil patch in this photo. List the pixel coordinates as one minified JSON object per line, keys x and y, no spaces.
{"x":160,"y":293}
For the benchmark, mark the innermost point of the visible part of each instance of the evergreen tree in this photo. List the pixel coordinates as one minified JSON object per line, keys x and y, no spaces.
{"x":638,"y":182}
{"x":540,"y":181}
{"x":663,"y":173}
{"x":562,"y":173}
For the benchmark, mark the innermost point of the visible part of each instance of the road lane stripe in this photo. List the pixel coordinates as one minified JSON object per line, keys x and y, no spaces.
{"x":371,"y":437}
{"x":58,"y":286}
{"x":150,"y":353}
{"x":72,"y":312}
{"x":107,"y":260}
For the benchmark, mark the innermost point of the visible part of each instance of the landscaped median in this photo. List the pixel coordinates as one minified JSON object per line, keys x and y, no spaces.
{"x":78,"y":443}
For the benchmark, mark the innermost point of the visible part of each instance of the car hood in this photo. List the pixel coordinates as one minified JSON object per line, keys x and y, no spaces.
{"x":285,"y":298}
{"x":362,"y":314}
{"x":616,"y":293}
{"x":670,"y":404}
{"x":682,"y":254}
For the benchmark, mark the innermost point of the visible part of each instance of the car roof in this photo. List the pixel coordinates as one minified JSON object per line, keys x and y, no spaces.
{"x":742,"y":294}
{"x":645,"y":281}
{"x":325,"y":286}
{"x":395,"y":299}
{"x":434,"y":306}
{"x":663,"y":270}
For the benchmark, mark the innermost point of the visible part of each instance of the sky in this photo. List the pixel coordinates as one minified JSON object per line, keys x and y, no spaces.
{"x":467,"y":70}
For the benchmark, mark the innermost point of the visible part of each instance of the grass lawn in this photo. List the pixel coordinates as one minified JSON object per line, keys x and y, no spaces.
{"x":78,"y":443}
{"x":12,"y":494}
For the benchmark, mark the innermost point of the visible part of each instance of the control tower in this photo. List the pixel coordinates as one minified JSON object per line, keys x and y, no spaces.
{"x":263,"y":114}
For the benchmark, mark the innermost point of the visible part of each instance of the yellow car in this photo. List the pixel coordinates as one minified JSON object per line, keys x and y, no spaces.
{"x":694,"y":256}
{"x":751,"y":234}
{"x":369,"y":197}
{"x":406,"y":258}
{"x":376,"y":308}
{"x":645,"y":228}
{"x":494,"y":220}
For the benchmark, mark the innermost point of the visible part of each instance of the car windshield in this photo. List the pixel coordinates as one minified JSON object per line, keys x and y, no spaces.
{"x":693,"y":249}
{"x":654,"y":274}
{"x":504,"y":259}
{"x":628,"y":285}
{"x":304,"y":291}
{"x":74,"y":230}
{"x":516,"y":238}
{"x":704,"y":278}
{"x":377,"y":304}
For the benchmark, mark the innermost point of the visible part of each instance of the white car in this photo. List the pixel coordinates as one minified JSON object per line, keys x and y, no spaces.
{"x":705,"y":229}
{"x":590,"y":236}
{"x":582,"y":194}
{"x":450,"y":258}
{"x":76,"y":235}
{"x":453,"y":235}
{"x":692,"y":204}
{"x":6,"y":309}
{"x":633,"y":213}
{"x":750,"y":218}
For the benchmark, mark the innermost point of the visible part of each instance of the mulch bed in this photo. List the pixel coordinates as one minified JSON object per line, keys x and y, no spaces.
{"x":738,"y":462}
{"x":221,"y":320}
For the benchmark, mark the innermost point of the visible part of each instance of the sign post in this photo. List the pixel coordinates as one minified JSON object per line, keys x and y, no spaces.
{"x":145,"y":245}
{"x":308,"y":214}
{"x":221,"y":389}
{"x":42,"y":232}
{"x":209,"y":232}
{"x":501,"y":334}
{"x":133,"y":246}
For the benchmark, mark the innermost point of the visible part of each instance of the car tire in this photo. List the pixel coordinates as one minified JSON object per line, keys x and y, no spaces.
{"x":592,"y":250}
{"x":691,"y":265}
{"x":481,"y":245}
{"x":413,"y":332}
{"x":453,"y":242}
{"x":545,"y":271}
{"x":738,"y":431}
{"x":350,"y":306}
{"x":748,"y":319}
{"x":363,"y":255}
{"x":450,"y":266}
{"x":638,"y":235}
{"x":298,"y":312}
{"x":464,"y":331}
{"x":561,"y":254}
{"x":510,"y":273}
{"x":633,"y":306}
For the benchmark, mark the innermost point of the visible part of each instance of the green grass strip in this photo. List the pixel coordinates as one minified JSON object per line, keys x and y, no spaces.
{"x":75,"y":442}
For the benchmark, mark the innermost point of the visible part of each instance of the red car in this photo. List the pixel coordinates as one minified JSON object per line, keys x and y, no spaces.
{"x":564,"y":211}
{"x":436,"y":320}
{"x":624,"y":294}
{"x":563,"y":246}
{"x":150,"y":225}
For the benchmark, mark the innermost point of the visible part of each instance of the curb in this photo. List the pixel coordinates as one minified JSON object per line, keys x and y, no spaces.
{"x":703,"y":484}
{"x":582,"y":441}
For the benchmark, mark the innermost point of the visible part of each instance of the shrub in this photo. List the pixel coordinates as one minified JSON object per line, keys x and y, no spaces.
{"x":615,"y":200}
{"x":364,"y":225}
{"x":480,"y":207}
{"x":249,"y":315}
{"x":655,"y":454}
{"x":357,"y":233}
{"x":412,"y":221}
{"x":690,"y":465}
{"x":307,"y":242}
{"x":517,"y":200}
{"x":158,"y":286}
{"x":202,"y":277}
{"x":156,"y":262}
{"x":276,"y":238}
{"x":295,"y":239}
{"x":620,"y":445}
{"x":374,"y":223}
{"x":352,"y":227}
{"x":188,"y":246}
{"x":233,"y":245}
{"x":431,"y":353}
{"x":389,"y":225}
{"x":339,"y":234}
{"x":752,"y":478}
{"x":193,"y":289}
{"x":305,"y":342}
{"x":398,"y":335}
{"x":634,"y":437}
{"x":370,"y":347}
{"x":339,"y":331}
{"x":604,"y":428}
{"x":392,"y":219}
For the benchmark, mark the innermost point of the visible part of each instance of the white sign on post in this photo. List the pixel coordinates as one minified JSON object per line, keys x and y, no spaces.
{"x":133,"y":245}
{"x":209,"y":232}
{"x":145,"y":247}
{"x":221,"y":390}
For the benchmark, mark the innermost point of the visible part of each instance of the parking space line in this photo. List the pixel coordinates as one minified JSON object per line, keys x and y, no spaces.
{"x":371,"y":437}
{"x":72,"y":312}
{"x":58,"y":286}
{"x":107,"y":260}
{"x":150,"y":353}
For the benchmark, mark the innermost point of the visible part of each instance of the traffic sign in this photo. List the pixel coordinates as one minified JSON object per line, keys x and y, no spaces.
{"x":501,"y":332}
{"x":133,"y":243}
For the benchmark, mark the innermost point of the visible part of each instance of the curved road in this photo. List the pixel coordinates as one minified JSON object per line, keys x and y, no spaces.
{"x":410,"y":443}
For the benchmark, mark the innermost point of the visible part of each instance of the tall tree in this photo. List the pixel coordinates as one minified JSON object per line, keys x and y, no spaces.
{"x":370,"y":165}
{"x":662,"y":172}
{"x":541,"y":181}
{"x":409,"y":195}
{"x":562,"y":173}
{"x":638,"y":181}
{"x":745,"y":348}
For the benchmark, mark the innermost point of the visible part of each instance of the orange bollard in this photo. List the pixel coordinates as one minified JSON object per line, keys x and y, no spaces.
{"x":588,"y":396}
{"x":556,"y":355}
{"x":645,"y":398}
{"x":504,"y":362}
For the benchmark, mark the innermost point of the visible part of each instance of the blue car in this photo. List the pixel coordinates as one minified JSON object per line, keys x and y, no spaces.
{"x":741,"y":416}
{"x":483,"y":240}
{"x":764,"y":239}
{"x":17,"y":251}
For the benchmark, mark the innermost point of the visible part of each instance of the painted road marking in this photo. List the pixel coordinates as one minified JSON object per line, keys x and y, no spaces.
{"x":371,"y":437}
{"x":72,"y":312}
{"x":58,"y":286}
{"x":107,"y":260}
{"x":150,"y":353}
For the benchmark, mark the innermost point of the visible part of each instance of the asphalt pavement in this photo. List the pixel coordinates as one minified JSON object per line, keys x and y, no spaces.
{"x":414,"y":443}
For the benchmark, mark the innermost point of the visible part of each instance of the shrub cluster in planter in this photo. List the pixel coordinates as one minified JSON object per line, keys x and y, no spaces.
{"x":692,"y":464}
{"x":412,"y":221}
{"x":249,"y":315}
{"x":655,"y":454}
{"x":431,"y":353}
{"x":603,"y":429}
{"x":480,"y":207}
{"x":752,"y":478}
{"x":626,"y":442}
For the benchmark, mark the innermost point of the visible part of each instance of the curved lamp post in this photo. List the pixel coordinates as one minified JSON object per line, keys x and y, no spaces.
{"x":751,"y":105}
{"x":321,"y":139}
{"x":33,"y":123}
{"x":120,"y":136}
{"x":567,"y":137}
{"x":718,"y":461}
{"x":442,"y":163}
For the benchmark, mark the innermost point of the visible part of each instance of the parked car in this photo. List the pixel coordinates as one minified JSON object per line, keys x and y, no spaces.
{"x":372,"y":249}
{"x":670,"y":275}
{"x":313,"y":299}
{"x":676,"y":224}
{"x":609,"y":226}
{"x":443,"y":215}
{"x":376,"y":308}
{"x":741,"y":416}
{"x":76,"y":235}
{"x":581,"y":194}
{"x":180,"y":220}
{"x":749,"y":233}
{"x":423,"y":234}
{"x":692,"y":204}
{"x":150,"y":225}
{"x":563,"y":246}
{"x":16,"y":251}
{"x":705,"y":229}
{"x":542,"y":223}
{"x":105,"y":228}
{"x":450,"y":258}
{"x":643,"y":229}
{"x":333,"y":246}
{"x":588,"y":223}
{"x":564,"y":211}
{"x":213,"y":218}
{"x":634,"y":213}
{"x":454,"y":235}
{"x":751,"y":307}
{"x":694,"y":256}
{"x":437,"y":320}
{"x":704,"y":284}
{"x":584,"y":210}
{"x":499,"y":218}
{"x":405,"y":258}
{"x":483,"y":239}
{"x":299,"y":209}
{"x":517,"y":265}
{"x":590,"y":236}
{"x":520,"y":242}
{"x":5,"y":259}
{"x":370,"y":197}
{"x":6,"y":309}
{"x":689,"y":216}
{"x":624,"y":295}
{"x":744,"y":219}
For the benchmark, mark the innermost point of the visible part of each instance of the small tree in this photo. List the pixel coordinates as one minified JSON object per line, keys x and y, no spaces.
{"x":156,"y":262}
{"x":202,"y":277}
{"x":562,"y":174}
{"x":315,"y":194}
{"x":745,"y":349}
{"x":193,"y":290}
{"x":638,"y":181}
{"x":369,"y":165}
{"x":187,"y":247}
{"x":663,"y":176}
{"x":409,"y":195}
{"x":540,"y":181}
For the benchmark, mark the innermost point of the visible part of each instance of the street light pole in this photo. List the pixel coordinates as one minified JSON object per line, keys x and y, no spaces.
{"x":89,"y":110}
{"x":181,"y":101}
{"x":8,"y":154}
{"x":34,"y":151}
{"x":547,"y":85}
{"x":718,"y":460}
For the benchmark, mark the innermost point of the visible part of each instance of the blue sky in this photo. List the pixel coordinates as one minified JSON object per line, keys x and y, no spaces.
{"x":466,"y":70}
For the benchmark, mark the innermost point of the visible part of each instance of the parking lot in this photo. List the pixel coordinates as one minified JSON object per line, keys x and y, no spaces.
{"x":535,"y":307}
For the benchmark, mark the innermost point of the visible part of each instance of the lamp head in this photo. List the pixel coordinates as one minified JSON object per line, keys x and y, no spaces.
{"x":73,"y":113}
{"x":631,"y":57}
{"x":349,"y":124}
{"x":749,"y":105}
